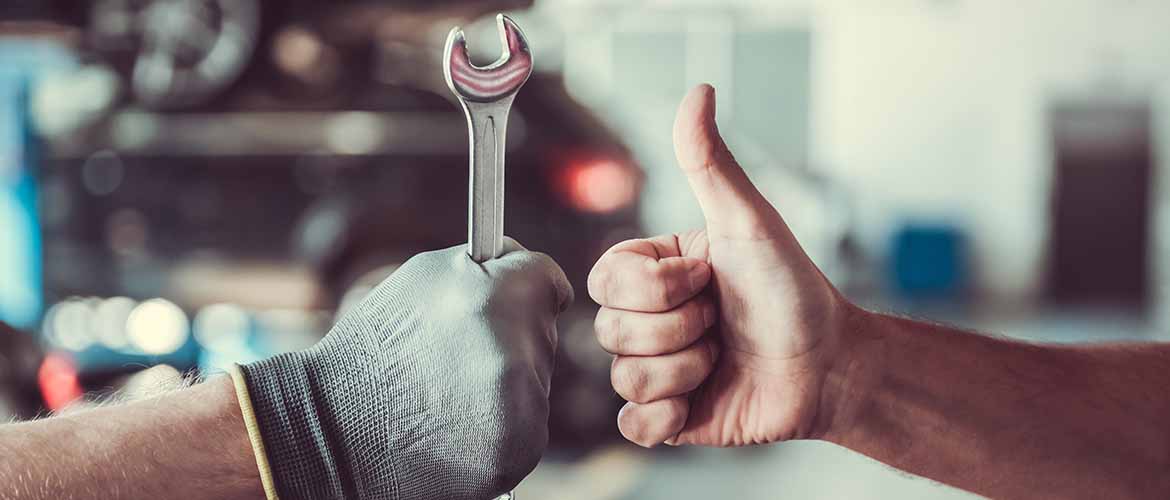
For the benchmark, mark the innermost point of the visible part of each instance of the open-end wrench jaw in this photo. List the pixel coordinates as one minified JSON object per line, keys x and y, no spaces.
{"x":496,"y":81}
{"x":486,"y":95}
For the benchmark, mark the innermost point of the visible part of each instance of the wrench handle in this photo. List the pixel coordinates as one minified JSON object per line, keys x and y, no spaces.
{"x":487,"y":125}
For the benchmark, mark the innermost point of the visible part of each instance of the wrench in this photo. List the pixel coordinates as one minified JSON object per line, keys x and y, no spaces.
{"x":486,"y":95}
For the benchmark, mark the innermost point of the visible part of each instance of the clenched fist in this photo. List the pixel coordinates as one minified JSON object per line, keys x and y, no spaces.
{"x":434,"y":387}
{"x":726,"y":335}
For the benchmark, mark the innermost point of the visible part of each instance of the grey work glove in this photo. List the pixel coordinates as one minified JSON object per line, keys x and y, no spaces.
{"x":434,"y":386}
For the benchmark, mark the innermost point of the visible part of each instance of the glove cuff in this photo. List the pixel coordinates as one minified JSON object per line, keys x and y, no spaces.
{"x":245,"y":401}
{"x":299,"y":452}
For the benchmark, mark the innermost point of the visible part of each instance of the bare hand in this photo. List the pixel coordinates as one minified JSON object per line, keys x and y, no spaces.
{"x":723,"y":336}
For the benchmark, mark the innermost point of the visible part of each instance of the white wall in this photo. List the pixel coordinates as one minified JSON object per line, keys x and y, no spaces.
{"x":924,"y":109}
{"x":937,"y":109}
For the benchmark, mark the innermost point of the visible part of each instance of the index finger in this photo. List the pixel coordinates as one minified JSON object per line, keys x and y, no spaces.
{"x":636,"y":275}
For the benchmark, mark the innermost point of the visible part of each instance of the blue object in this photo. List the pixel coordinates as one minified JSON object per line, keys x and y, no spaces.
{"x":928,"y":261}
{"x":21,"y":295}
{"x":22,"y":63}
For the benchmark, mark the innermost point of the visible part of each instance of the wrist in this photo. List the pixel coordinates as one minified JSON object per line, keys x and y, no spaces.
{"x":216,"y":459}
{"x":238,"y":449}
{"x":853,"y":374}
{"x":285,"y":399}
{"x":248,"y":417}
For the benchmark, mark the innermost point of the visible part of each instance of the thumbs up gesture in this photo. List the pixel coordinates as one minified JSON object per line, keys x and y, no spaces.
{"x":726,"y":335}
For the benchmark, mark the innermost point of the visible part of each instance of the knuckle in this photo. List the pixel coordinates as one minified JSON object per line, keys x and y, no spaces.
{"x":702,"y":358}
{"x":545,"y":269}
{"x":665,"y":295}
{"x":668,"y":288}
{"x":677,"y":412}
{"x":599,"y":281}
{"x":676,"y":367}
{"x":659,"y":289}
{"x":629,"y":379}
{"x":681,"y":369}
{"x":541,"y":260}
{"x":687,"y":321}
{"x":678,"y":329}
{"x":609,"y":330}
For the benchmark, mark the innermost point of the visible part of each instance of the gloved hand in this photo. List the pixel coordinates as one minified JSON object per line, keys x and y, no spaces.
{"x":435,"y":386}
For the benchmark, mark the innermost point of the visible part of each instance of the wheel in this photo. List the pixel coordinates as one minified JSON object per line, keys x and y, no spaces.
{"x":184,"y":52}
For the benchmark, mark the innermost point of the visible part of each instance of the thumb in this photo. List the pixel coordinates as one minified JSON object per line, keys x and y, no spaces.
{"x":730,"y":202}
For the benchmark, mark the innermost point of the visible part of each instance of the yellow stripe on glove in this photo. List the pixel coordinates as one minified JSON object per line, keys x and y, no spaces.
{"x":253,"y":431}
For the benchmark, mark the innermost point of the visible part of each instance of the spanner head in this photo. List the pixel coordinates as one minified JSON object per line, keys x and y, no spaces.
{"x":492,"y":82}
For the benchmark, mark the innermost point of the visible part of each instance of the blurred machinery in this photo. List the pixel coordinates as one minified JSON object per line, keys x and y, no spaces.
{"x":261,"y":164}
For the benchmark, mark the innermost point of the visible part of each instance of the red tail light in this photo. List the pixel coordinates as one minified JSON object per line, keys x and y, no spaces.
{"x":599,"y":185}
{"x":57,"y":377}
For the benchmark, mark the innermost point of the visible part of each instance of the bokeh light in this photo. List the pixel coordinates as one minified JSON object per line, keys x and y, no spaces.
{"x":157,"y":326}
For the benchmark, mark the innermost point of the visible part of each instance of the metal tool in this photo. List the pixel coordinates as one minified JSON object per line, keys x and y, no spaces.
{"x":486,"y":94}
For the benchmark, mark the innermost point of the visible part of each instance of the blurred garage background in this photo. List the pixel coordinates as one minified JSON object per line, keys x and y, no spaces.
{"x":190,"y":183}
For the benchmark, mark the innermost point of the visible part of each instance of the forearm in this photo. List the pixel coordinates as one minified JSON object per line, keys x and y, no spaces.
{"x":191,"y":442}
{"x":1002,"y":418}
